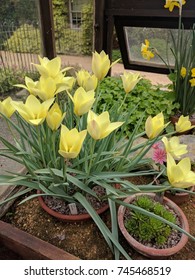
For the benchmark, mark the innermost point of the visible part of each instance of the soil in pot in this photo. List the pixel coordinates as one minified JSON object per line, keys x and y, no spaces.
{"x":83,"y":239}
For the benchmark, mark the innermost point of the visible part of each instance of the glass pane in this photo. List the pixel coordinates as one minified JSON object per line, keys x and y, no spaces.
{"x":159,"y":38}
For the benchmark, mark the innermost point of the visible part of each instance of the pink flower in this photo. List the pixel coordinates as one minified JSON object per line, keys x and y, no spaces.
{"x":157,"y":145}
{"x":159,"y":155}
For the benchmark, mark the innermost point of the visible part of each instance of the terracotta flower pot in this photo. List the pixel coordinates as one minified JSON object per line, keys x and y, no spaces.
{"x":179,"y":197}
{"x":69,"y":218}
{"x":149,"y":251}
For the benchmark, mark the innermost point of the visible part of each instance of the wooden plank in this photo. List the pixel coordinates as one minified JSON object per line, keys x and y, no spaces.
{"x":99,"y":24}
{"x":47,"y":28}
{"x":29,"y":246}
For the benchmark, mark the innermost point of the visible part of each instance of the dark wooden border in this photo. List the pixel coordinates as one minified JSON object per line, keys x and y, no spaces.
{"x":30,"y":247}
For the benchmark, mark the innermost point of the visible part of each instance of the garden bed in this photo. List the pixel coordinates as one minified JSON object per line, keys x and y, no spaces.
{"x":82,"y":239}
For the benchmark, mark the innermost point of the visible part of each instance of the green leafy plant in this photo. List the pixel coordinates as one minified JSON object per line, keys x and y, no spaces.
{"x":145,"y":228}
{"x":145,"y":97}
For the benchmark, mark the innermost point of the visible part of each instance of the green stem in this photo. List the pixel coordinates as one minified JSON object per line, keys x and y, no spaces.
{"x":40,"y":144}
{"x":92,"y":149}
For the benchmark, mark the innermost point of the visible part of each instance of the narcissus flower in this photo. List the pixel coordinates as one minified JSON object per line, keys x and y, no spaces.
{"x":101,"y":64}
{"x":154,"y":126}
{"x":83,"y":101}
{"x":170,"y":4}
{"x":33,"y":111}
{"x":55,"y":117}
{"x":193,"y":72}
{"x":146,"y":53}
{"x":183,"y":124}
{"x":87,"y":81}
{"x":6,"y":107}
{"x":183,"y":72}
{"x":130,"y":80}
{"x":174,"y":148}
{"x":100,"y":126}
{"x":71,"y":142}
{"x":192,"y":82}
{"x":180,"y":175}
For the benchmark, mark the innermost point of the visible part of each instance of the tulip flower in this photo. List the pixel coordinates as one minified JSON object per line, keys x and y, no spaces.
{"x":71,"y":142}
{"x":174,"y":148}
{"x":49,"y":68}
{"x":100,"y":126}
{"x":30,"y":85}
{"x":130,"y":80}
{"x":55,"y":117}
{"x":87,"y":81}
{"x":33,"y":111}
{"x":83,"y":101}
{"x":170,"y":4}
{"x":101,"y":64}
{"x":6,"y":107}
{"x":183,"y":124}
{"x":154,"y":126}
{"x":180,"y":175}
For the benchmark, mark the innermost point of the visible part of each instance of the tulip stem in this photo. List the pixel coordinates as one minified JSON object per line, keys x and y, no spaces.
{"x":92,"y":148}
{"x":122,"y":103}
{"x":41,"y":144}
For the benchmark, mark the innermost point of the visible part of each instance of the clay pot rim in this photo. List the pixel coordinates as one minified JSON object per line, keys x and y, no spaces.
{"x":149,"y":251}
{"x":181,"y":193}
{"x":69,"y":218}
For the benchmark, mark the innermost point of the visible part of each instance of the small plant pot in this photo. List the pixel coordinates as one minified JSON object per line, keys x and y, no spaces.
{"x":151,"y":252}
{"x":69,"y":218}
{"x":179,"y":197}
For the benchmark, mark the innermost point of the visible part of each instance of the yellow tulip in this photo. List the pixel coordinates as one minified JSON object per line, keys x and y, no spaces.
{"x":87,"y":81}
{"x":174,"y":148}
{"x":180,"y":175}
{"x":54,"y":117}
{"x":71,"y":142}
{"x":100,"y":126}
{"x":183,"y":124}
{"x":6,"y":107}
{"x":83,"y":101}
{"x":33,"y":111}
{"x":101,"y":64}
{"x":49,"y":68}
{"x":30,"y":85}
{"x":130,"y":80}
{"x":170,"y":4}
{"x":154,"y":126}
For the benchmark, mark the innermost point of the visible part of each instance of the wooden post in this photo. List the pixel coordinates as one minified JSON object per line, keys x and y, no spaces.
{"x":47,"y":28}
{"x":98,"y":24}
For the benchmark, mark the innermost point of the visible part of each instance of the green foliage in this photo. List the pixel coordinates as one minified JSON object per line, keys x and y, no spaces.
{"x":86,"y":29}
{"x":145,"y":97}
{"x":116,"y":54}
{"x":70,"y":42}
{"x":9,"y":77}
{"x":25,"y":39}
{"x":145,"y":228}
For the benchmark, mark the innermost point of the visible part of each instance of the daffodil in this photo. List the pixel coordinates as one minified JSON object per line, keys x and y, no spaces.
{"x":99,"y":126}
{"x":154,"y":126}
{"x":192,"y":82}
{"x":174,"y":147}
{"x":146,"y":53}
{"x":33,"y":111}
{"x":180,"y":175}
{"x":183,"y":124}
{"x":71,"y":142}
{"x":83,"y":101}
{"x":6,"y":107}
{"x":170,"y":4}
{"x":101,"y":64}
{"x":54,"y":117}
{"x":193,"y":72}
{"x":87,"y":81}
{"x":130,"y":80}
{"x":183,"y":72}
